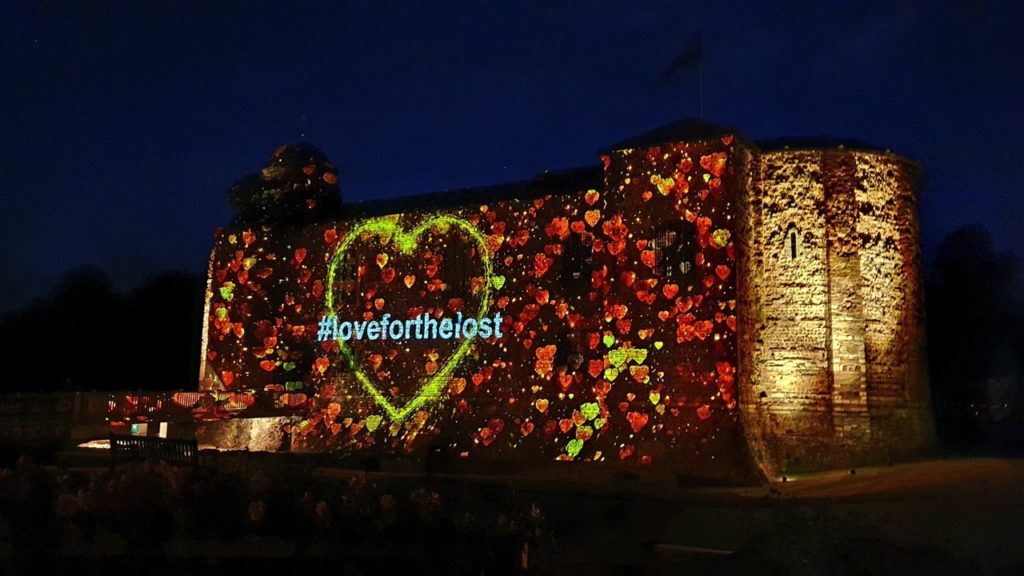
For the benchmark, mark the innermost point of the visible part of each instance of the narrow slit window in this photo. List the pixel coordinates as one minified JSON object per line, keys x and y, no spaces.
{"x":790,"y":242}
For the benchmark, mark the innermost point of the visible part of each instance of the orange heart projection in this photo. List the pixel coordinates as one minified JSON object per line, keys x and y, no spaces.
{"x":617,"y":309}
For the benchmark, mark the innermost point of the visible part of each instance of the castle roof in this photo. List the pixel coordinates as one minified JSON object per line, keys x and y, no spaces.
{"x":816,"y":142}
{"x":571,"y":180}
{"x":552,"y":182}
{"x":829,"y":143}
{"x":677,"y":131}
{"x":548,"y":182}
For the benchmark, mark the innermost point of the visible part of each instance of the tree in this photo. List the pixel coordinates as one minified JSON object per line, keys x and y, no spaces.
{"x":165,"y":314}
{"x":297,"y":185}
{"x":64,"y":342}
{"x":85,"y":336}
{"x":970,"y":316}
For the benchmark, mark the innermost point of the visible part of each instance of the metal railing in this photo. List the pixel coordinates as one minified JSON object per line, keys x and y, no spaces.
{"x":173,"y":451}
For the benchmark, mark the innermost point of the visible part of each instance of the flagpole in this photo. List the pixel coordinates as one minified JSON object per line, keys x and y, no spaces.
{"x":692,"y":53}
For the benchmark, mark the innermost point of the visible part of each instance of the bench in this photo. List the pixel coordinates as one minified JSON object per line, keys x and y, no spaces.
{"x":174,"y":451}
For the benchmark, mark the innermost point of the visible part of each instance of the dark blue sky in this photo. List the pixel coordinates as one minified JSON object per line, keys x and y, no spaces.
{"x":122,"y":126}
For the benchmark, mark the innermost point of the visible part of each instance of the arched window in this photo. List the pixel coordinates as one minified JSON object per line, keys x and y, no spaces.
{"x":792,"y":240}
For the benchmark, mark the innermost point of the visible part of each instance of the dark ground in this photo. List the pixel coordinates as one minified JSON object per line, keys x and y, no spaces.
{"x":962,"y":516}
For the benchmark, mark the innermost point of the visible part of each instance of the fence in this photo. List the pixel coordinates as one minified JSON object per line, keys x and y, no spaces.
{"x":141,"y":448}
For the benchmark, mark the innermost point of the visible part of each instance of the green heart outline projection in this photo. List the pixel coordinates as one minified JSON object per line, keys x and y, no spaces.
{"x":406,"y":241}
{"x":594,"y":303}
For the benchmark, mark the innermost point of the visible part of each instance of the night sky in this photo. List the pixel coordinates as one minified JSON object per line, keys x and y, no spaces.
{"x":121,"y":127}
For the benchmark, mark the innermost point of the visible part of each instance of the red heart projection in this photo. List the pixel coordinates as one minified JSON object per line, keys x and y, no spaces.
{"x":619,"y":343}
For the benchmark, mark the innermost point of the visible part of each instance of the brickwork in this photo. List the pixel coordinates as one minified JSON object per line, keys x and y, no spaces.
{"x":894,"y":312}
{"x":815,"y":251}
{"x":850,"y":419}
{"x":786,"y":384}
{"x":831,"y":370}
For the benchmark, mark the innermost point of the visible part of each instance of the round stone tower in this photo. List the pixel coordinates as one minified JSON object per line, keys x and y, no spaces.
{"x":832,"y":362}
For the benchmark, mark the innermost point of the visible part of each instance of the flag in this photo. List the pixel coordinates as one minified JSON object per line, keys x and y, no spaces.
{"x":690,"y":54}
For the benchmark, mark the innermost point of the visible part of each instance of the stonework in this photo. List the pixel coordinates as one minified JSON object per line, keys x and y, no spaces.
{"x":771,"y":299}
{"x":252,"y":434}
{"x":831,"y":345}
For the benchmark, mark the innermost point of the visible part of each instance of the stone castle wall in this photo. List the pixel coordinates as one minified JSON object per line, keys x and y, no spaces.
{"x":827,"y":341}
{"x":896,"y":370}
{"x":831,"y":361}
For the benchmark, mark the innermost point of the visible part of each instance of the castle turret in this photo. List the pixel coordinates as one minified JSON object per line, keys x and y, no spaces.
{"x":832,"y":361}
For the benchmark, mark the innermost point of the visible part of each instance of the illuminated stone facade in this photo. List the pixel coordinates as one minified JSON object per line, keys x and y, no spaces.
{"x":832,"y":369}
{"x":697,"y":302}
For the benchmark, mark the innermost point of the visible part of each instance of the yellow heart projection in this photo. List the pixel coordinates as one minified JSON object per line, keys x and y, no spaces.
{"x":615,"y":301}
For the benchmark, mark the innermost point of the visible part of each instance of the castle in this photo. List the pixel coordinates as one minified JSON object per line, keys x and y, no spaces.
{"x":697,"y":301}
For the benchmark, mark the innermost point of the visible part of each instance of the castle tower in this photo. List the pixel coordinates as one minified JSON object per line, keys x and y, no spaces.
{"x":831,"y":357}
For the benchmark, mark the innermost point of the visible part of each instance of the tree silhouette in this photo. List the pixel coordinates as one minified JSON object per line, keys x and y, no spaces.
{"x":297,"y":185}
{"x":970,"y":316}
{"x":165,"y":313}
{"x":85,"y":336}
